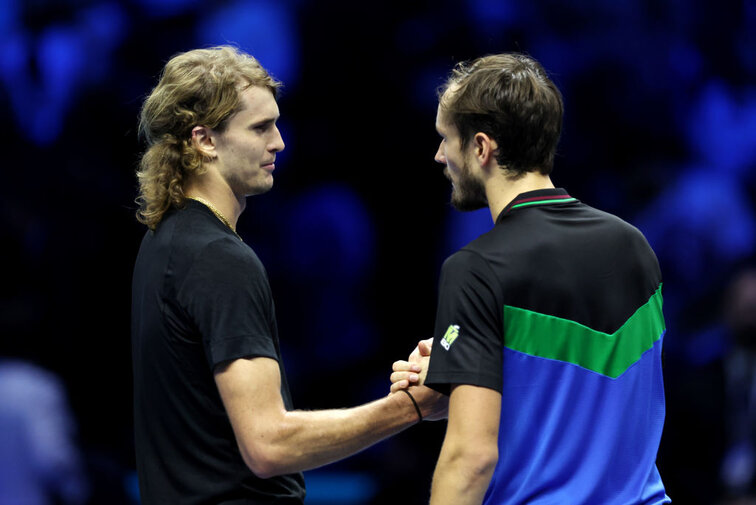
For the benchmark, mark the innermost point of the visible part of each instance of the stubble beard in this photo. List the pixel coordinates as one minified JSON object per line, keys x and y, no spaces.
{"x":468,"y":193}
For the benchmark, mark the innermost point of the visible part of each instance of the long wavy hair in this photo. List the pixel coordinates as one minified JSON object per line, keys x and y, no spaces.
{"x":199,"y":87}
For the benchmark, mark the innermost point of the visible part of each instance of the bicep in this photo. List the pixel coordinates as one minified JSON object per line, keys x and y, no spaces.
{"x":474,"y":415}
{"x":251,"y":392}
{"x":226,"y":296}
{"x":470,"y":451}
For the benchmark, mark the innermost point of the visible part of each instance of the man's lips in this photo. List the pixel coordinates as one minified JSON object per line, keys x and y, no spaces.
{"x":269,"y":166}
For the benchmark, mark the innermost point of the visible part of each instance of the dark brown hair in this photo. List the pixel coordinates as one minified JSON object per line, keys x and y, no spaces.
{"x":510,"y":98}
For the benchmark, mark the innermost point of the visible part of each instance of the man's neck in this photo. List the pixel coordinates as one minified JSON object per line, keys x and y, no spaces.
{"x":501,"y":190}
{"x":218,"y":195}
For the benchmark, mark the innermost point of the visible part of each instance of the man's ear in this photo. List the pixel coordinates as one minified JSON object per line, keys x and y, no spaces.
{"x":484,"y":148}
{"x":203,"y":141}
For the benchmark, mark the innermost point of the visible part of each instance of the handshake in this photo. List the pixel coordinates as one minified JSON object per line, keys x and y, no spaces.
{"x":410,"y":375}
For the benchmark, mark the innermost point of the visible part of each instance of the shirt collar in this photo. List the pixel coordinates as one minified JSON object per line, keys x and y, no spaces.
{"x":549,"y":196}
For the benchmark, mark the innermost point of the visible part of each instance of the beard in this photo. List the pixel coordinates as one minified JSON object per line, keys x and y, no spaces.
{"x":468,"y":193}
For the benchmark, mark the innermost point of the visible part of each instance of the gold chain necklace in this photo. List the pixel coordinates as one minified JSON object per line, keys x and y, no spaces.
{"x":215,"y":211}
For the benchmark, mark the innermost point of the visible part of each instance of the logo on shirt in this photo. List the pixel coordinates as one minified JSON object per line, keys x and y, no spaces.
{"x":452,"y":332}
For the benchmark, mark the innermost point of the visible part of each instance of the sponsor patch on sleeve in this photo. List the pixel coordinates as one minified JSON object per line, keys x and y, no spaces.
{"x":452,"y":332}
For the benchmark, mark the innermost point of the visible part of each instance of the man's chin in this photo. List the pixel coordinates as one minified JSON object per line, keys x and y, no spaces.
{"x":260,"y":189}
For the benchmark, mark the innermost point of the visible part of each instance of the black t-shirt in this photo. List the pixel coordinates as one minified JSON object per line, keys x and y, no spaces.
{"x":200,"y":297}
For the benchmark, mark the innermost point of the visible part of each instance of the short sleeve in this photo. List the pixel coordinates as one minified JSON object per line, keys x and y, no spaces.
{"x":467,"y":344}
{"x":227,"y":294}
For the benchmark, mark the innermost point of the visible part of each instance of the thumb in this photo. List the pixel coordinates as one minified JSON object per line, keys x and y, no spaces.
{"x":425,"y":347}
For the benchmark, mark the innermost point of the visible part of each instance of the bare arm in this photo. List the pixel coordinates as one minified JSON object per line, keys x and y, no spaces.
{"x":470,"y":452}
{"x":274,"y":441}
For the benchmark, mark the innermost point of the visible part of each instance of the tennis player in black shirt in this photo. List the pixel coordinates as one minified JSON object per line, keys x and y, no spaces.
{"x":214,"y":423}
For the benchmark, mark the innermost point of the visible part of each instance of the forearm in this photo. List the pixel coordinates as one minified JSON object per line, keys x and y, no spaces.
{"x":461,"y":479}
{"x":301,"y":440}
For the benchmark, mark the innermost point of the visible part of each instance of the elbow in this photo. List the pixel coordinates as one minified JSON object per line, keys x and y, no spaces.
{"x":263,"y":470}
{"x":477,"y":464}
{"x":267,"y":451}
{"x":482,"y":463}
{"x":261,"y":460}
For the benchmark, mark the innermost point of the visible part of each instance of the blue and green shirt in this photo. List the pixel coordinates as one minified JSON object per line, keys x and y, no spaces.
{"x":559,"y":308}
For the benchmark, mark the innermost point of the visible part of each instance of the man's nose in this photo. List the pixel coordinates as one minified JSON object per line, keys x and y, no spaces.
{"x":440,"y":156}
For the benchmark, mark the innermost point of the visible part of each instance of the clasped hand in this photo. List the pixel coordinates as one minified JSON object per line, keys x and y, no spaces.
{"x":410,"y":375}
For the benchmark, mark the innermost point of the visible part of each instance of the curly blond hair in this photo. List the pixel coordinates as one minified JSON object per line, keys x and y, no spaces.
{"x":199,"y":87}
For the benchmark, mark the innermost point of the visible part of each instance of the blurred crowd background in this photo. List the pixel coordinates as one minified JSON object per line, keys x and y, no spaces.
{"x":660,"y":129}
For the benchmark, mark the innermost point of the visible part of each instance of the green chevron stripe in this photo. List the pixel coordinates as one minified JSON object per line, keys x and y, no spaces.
{"x":564,"y":340}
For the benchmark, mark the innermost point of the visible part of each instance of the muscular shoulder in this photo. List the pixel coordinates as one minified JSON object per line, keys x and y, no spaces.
{"x":226,"y":253}
{"x":198,"y":253}
{"x":613,"y":235}
{"x":611,"y":222}
{"x":465,"y":263}
{"x":226,"y":267}
{"x":199,"y":238}
{"x":468,"y":274}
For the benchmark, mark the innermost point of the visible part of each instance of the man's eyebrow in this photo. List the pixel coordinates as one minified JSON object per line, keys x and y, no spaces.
{"x":264,"y":122}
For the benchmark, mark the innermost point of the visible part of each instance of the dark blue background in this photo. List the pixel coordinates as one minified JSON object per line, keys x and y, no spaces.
{"x":660,"y":129}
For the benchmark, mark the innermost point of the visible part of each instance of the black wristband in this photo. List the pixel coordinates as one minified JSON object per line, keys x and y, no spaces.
{"x":417,"y":407}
